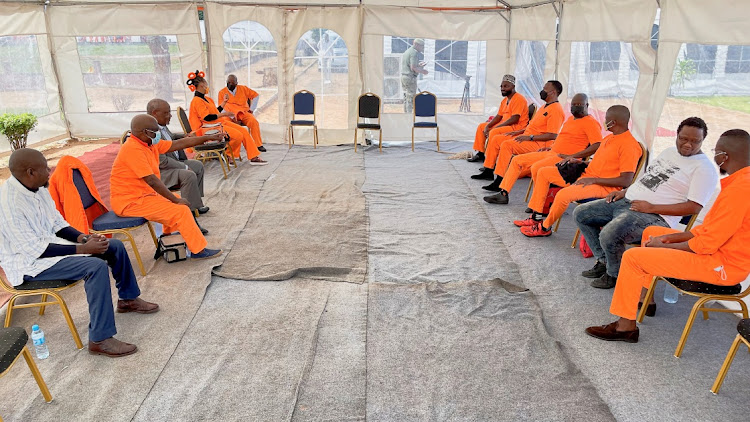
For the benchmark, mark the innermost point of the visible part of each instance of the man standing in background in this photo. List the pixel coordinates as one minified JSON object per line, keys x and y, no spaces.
{"x":411,"y":67}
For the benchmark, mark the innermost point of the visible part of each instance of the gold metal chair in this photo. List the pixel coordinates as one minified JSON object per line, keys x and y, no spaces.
{"x":12,"y":346}
{"x":205,"y":153}
{"x":303,"y":103}
{"x":705,"y":292}
{"x":425,"y":105}
{"x":45,"y":288}
{"x":368,"y":107}
{"x":743,"y":336}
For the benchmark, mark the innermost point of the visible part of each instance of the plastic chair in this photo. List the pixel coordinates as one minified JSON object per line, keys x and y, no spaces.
{"x":13,"y":346}
{"x":425,"y":105}
{"x":41,"y":288}
{"x":743,"y":336}
{"x":203,"y":153}
{"x":304,"y":105}
{"x":368,"y":107}
{"x":111,"y":223}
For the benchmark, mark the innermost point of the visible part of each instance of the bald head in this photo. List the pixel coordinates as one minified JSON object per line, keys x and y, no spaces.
{"x":30,"y":168}
{"x":617,"y":119}
{"x":579,"y":106}
{"x":231,"y":82}
{"x":160,"y":110}
{"x":732,"y":151}
{"x":142,"y":123}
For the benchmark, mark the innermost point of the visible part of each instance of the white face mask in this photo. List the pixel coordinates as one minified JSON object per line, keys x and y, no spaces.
{"x":609,"y":124}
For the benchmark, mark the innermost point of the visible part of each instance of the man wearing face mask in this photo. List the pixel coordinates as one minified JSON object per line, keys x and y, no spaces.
{"x":715,"y":252}
{"x":540,"y":133}
{"x":611,"y":169}
{"x":137,"y":191}
{"x":513,"y":114}
{"x":579,"y":138}
{"x":238,"y":99}
{"x":679,"y":182}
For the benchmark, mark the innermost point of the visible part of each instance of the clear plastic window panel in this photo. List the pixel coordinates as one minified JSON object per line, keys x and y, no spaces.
{"x":456,"y":72}
{"x":22,"y":84}
{"x":251,"y":55}
{"x":711,"y":82}
{"x":606,"y":71}
{"x":321,"y":66}
{"x":122,"y":73}
{"x":531,"y":59}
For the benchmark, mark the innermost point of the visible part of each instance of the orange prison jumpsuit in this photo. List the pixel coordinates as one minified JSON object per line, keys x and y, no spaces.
{"x":508,"y":107}
{"x":131,"y":196}
{"x":617,"y":154}
{"x":202,"y":106}
{"x":239,"y":105}
{"x":720,"y":244}
{"x":575,"y":136}
{"x":547,"y":119}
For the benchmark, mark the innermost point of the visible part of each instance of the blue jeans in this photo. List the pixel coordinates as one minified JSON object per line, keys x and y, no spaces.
{"x":93,"y":270}
{"x":608,"y":227}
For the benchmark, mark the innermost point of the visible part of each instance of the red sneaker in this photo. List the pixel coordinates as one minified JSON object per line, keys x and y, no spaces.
{"x":536,"y":231}
{"x":527,"y":222}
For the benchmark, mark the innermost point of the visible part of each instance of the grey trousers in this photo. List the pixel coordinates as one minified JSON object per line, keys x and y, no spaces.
{"x":189,"y":181}
{"x":609,"y":227}
{"x":409,"y":86}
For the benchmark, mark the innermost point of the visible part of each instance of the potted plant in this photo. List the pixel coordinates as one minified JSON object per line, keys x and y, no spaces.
{"x":16,"y":128}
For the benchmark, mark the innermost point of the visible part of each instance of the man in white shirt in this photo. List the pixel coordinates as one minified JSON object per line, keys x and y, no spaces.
{"x":37,"y":244}
{"x":679,"y":182}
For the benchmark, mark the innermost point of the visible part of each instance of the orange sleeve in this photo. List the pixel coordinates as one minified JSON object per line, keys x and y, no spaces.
{"x":629,"y":155}
{"x":137,"y":162}
{"x":723,"y":220}
{"x":555,"y":120}
{"x":163,"y":146}
{"x":201,"y":108}
{"x":517,"y":106}
{"x":593,"y":131}
{"x":223,"y":91}
{"x":249,"y":93}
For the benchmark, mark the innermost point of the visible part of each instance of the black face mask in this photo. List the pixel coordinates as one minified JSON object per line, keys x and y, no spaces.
{"x":543,"y":95}
{"x":577,"y":111}
{"x":231,"y":87}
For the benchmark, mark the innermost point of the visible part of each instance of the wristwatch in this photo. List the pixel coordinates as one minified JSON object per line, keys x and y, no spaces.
{"x":531,"y":137}
{"x":85,"y":238}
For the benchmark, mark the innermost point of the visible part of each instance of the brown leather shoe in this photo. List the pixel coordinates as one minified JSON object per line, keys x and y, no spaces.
{"x":112,"y":347}
{"x":609,"y":333}
{"x":136,"y":305}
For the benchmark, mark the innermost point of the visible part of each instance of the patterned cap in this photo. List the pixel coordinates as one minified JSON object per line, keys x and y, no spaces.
{"x":509,"y":78}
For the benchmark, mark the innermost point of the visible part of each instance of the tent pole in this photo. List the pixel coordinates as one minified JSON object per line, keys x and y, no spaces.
{"x":56,"y":70}
{"x":559,"y":12}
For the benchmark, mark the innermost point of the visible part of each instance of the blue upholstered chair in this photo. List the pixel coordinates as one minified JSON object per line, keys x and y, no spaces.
{"x":425,"y":105}
{"x":304,"y":105}
{"x":12,"y":346}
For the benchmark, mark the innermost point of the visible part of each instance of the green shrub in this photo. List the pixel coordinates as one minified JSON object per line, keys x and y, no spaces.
{"x":17,"y":127}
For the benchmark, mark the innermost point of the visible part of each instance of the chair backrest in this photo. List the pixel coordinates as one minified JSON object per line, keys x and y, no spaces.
{"x":642,"y":161}
{"x":184,"y":121}
{"x":689,"y":221}
{"x":304,"y":102}
{"x":124,"y":136}
{"x":425,"y":104}
{"x":83,"y":190}
{"x":532,"y":110}
{"x":368,"y":106}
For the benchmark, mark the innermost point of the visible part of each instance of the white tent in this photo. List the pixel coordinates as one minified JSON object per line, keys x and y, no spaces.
{"x":86,"y":67}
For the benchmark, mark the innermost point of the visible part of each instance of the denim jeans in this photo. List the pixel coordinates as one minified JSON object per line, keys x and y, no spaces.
{"x":608,"y":227}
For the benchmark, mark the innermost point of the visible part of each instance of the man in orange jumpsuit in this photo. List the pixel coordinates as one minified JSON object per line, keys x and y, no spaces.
{"x":612,"y":168}
{"x":137,"y":191}
{"x":237,"y":99}
{"x":715,"y":252}
{"x":540,"y":133}
{"x":513,"y":114}
{"x":203,"y":111}
{"x":579,"y":137}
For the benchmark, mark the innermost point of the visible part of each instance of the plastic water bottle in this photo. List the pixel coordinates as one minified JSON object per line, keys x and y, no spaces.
{"x":40,"y":344}
{"x":671,"y":294}
{"x":158,"y":229}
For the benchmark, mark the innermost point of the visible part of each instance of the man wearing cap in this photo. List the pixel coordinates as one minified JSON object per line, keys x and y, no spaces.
{"x":512,"y":115}
{"x":411,"y":67}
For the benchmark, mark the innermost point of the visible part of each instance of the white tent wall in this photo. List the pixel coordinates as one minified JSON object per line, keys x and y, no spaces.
{"x":69,"y":22}
{"x":27,"y":19}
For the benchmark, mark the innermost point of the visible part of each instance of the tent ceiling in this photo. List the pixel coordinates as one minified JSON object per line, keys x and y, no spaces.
{"x":411,"y":3}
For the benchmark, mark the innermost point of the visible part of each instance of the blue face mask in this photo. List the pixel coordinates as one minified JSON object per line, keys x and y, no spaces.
{"x":157,"y":137}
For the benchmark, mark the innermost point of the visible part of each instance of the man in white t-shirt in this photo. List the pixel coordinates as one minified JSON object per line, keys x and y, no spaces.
{"x":679,"y":182}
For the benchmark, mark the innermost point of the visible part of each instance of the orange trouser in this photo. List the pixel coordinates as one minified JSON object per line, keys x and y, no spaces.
{"x":493,"y":148}
{"x":547,"y":176}
{"x":252,"y":125}
{"x":527,"y":164}
{"x":174,"y":218}
{"x":238,"y":135}
{"x":640,"y":265}
{"x":480,"y":140}
{"x":509,"y":149}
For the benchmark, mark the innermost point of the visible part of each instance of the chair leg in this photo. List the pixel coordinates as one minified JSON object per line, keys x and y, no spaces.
{"x":438,"y":138}
{"x":380,"y":140}
{"x":575,"y":238}
{"x":68,"y":319}
{"x":37,"y":375}
{"x":315,"y":136}
{"x":290,"y":133}
{"x":9,"y":310}
{"x":135,"y":251}
{"x":528,"y":191}
{"x":727,"y":363}
{"x":153,"y":233}
{"x":41,"y":308}
{"x":688,"y":325}
{"x":647,"y":299}
{"x":355,"y":140}
{"x":412,"y":139}
{"x":557,"y":225}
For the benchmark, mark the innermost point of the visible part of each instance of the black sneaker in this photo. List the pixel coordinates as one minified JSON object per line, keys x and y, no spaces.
{"x":528,"y":210}
{"x":262,"y":148}
{"x":486,"y":174}
{"x":604,"y":282}
{"x":498,"y":198}
{"x":476,"y":157}
{"x":599,"y":270}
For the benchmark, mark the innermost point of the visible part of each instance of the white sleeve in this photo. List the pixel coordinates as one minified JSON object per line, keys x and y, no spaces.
{"x":703,"y":183}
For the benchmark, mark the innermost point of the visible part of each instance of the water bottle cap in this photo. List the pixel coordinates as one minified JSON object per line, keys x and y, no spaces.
{"x":34,"y":327}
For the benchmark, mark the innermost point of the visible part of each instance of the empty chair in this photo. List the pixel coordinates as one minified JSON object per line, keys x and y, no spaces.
{"x":743,"y":336}
{"x":368,"y":107}
{"x":304,"y":105}
{"x":425,"y":105}
{"x":12,"y":346}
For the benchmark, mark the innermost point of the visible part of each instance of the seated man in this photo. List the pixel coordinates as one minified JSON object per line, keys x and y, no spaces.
{"x":137,"y":191}
{"x":579,"y":137}
{"x":612,"y":168}
{"x":237,"y":99}
{"x":37,"y":244}
{"x":175,"y":168}
{"x":513,"y":114}
{"x":715,"y":252}
{"x":679,"y":182}
{"x":540,"y":133}
{"x":203,"y":111}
